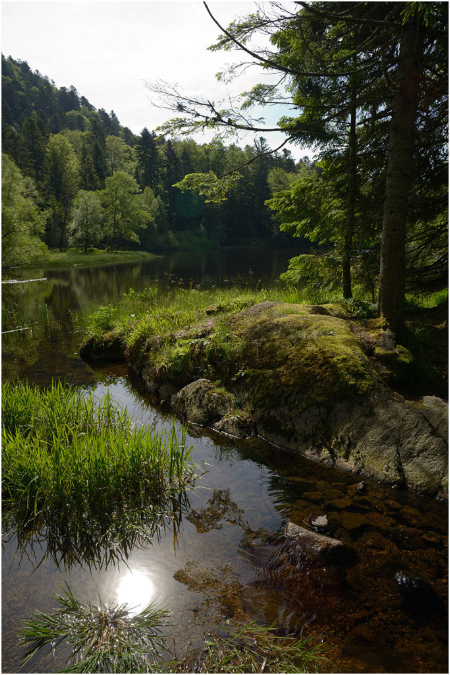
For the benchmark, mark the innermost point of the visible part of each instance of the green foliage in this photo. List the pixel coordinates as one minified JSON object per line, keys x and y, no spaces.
{"x":315,"y":272}
{"x":60,"y":180}
{"x":81,"y":470}
{"x":86,"y":224}
{"x":117,"y":155}
{"x":101,"y":639}
{"x":215,"y":189}
{"x":123,"y":214}
{"x":22,"y":224}
{"x":360,"y":309}
{"x":254,"y":649}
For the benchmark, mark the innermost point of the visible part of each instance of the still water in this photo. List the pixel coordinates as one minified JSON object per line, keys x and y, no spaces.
{"x":210,"y":568}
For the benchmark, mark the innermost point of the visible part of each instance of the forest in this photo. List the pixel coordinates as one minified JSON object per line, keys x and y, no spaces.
{"x":368,"y":86}
{"x":74,"y":176}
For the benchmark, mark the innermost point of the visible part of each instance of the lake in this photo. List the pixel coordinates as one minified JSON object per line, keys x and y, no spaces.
{"x":209,"y":566}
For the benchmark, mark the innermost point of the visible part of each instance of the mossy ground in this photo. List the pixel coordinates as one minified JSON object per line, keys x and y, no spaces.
{"x":288,"y":351}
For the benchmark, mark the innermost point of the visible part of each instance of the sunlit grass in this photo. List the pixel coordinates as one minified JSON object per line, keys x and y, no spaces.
{"x":77,"y":256}
{"x":110,"y":639}
{"x":257,"y":649}
{"x":78,"y":468}
{"x":415,"y":301}
{"x":102,"y":639}
{"x":158,"y":312}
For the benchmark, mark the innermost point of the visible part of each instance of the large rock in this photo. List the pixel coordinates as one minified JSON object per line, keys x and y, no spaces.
{"x":305,"y":383}
{"x":312,"y":389}
{"x":202,"y":402}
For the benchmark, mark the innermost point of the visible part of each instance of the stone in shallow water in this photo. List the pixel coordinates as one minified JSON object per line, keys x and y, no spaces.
{"x":202,"y":402}
{"x":313,"y":496}
{"x":235,"y":425}
{"x":320,"y":522}
{"x":420,"y":599}
{"x":334,"y":551}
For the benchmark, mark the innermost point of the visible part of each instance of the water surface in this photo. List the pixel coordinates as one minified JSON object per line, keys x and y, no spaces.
{"x":213,"y":566}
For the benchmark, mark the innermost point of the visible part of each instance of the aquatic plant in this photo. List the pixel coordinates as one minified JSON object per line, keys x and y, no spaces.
{"x":102,"y":639}
{"x":39,"y":412}
{"x":257,"y":649}
{"x":110,"y":639}
{"x":76,"y":468}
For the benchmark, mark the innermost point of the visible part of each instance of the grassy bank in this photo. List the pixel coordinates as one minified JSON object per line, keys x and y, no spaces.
{"x":169,"y":319}
{"x":94,"y":256}
{"x":156,"y":312}
{"x":78,"y":468}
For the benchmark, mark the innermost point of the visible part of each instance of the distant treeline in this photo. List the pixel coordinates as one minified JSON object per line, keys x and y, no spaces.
{"x":82,"y":179}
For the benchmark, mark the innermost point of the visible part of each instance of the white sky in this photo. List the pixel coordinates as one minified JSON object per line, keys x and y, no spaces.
{"x":108,"y":49}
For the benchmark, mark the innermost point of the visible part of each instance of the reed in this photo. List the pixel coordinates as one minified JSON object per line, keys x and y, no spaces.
{"x":74,"y":464}
{"x":102,"y":639}
{"x":30,"y":410}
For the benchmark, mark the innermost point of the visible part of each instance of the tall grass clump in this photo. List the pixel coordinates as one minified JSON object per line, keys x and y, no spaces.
{"x":158,"y":312}
{"x":110,"y":640}
{"x":102,"y":639}
{"x":77,"y":468}
{"x":33,"y":411}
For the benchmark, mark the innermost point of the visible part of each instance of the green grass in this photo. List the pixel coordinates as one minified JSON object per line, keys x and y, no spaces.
{"x":417,"y":301}
{"x":157,"y":312}
{"x":78,"y":469}
{"x":108,"y":639}
{"x":257,"y":649}
{"x":102,"y":639}
{"x":76,"y":256}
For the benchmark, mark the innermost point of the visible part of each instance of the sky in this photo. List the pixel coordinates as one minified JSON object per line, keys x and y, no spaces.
{"x":108,"y":49}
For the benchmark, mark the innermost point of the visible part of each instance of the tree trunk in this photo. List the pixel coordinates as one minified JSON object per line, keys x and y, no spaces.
{"x":393,"y":255}
{"x":351,"y":196}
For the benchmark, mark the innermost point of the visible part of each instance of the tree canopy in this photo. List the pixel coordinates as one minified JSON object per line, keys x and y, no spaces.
{"x":368,"y":86}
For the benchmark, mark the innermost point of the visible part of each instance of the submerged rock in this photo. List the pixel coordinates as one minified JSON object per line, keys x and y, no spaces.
{"x":333,"y":551}
{"x":320,"y":523}
{"x":238,"y":425}
{"x":420,"y":599}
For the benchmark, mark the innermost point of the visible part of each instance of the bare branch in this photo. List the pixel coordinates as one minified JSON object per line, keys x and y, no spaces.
{"x":277,"y":66}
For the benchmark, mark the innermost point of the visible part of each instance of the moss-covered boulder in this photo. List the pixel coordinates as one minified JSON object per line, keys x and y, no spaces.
{"x":301,"y":377}
{"x":202,"y":402}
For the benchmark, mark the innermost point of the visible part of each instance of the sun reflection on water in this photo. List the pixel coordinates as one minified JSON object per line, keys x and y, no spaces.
{"x":136,"y":590}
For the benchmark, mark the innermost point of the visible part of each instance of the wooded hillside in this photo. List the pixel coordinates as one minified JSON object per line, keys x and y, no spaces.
{"x":86,"y":180}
